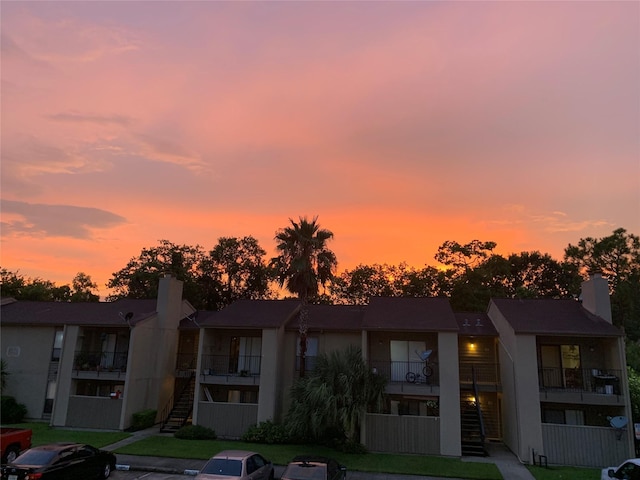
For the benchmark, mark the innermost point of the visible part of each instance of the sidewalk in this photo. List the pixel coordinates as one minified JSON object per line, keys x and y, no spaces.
{"x":507,"y":463}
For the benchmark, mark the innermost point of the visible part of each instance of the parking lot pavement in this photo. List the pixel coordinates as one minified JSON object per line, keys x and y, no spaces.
{"x":156,"y":468}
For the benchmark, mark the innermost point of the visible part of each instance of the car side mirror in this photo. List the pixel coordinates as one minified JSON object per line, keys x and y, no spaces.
{"x":611,"y":472}
{"x":343,"y":469}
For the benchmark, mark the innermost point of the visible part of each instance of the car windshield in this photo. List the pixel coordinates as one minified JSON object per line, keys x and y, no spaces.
{"x":223,"y":466}
{"x":35,"y":457}
{"x":305,"y":471}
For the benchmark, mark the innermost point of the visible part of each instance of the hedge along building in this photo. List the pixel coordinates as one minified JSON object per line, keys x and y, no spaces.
{"x":93,"y":365}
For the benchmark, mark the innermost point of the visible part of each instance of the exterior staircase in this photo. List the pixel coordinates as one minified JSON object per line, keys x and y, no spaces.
{"x":472,"y":435}
{"x":181,"y":409}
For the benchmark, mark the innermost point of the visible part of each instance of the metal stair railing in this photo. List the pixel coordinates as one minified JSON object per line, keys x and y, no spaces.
{"x":165,"y":415}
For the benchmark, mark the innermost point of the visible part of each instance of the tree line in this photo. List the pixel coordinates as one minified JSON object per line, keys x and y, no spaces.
{"x":238,"y":267}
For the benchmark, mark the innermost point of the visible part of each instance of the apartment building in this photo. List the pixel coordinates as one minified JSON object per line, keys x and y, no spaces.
{"x":542,"y":376}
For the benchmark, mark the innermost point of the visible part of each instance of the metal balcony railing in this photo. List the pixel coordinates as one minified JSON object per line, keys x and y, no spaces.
{"x":606,"y":381}
{"x":486,"y":373}
{"x":186,"y":361}
{"x":409,"y":372}
{"x":243,"y":365}
{"x":101,"y":361}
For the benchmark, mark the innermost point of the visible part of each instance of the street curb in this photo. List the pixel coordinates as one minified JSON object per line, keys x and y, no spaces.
{"x":167,"y":470}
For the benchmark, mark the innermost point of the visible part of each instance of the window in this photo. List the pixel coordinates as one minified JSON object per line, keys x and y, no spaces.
{"x":57,"y":345}
{"x":561,"y":366}
{"x":310,"y":355}
{"x":404,"y":358}
{"x":245,"y":354}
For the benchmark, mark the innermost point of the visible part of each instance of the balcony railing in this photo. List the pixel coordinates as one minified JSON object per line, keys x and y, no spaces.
{"x":580,"y":380}
{"x":409,"y":372}
{"x":186,"y":361}
{"x":101,"y":361}
{"x":485,"y":373}
{"x":243,"y":365}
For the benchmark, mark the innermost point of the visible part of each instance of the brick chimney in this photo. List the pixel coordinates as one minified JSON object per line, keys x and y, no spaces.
{"x":595,"y":296}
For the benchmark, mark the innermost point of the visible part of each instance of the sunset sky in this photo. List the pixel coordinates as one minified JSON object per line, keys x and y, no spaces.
{"x":400,"y":124}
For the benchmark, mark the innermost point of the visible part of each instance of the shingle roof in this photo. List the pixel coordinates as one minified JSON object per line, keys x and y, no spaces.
{"x":250,"y":314}
{"x":553,"y":317}
{"x":410,"y":314}
{"x":80,"y":313}
{"x":475,"y":324}
{"x":332,"y":317}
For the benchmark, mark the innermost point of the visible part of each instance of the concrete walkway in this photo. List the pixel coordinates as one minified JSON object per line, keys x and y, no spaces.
{"x":509,"y":466}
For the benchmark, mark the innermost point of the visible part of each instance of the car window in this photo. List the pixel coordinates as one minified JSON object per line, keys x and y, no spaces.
{"x":64,"y":456}
{"x":251,"y":465}
{"x":259,"y":461}
{"x":84,"y":452}
{"x":332,"y":469}
{"x":305,"y":471}
{"x":628,"y":471}
{"x":223,"y":466}
{"x":35,"y":457}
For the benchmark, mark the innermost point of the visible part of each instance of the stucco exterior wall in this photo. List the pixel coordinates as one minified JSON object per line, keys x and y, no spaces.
{"x":152,"y":354}
{"x":64,"y":382}
{"x":450,"y":440}
{"x":27,"y":353}
{"x":267,"y":396}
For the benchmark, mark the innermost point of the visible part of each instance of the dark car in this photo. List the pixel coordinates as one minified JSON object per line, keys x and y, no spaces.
{"x":61,"y":461}
{"x":312,"y":467}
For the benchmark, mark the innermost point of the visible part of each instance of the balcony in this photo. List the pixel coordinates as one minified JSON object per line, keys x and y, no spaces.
{"x":585,"y":385}
{"x":93,"y":364}
{"x":238,"y":370}
{"x":415,"y":377}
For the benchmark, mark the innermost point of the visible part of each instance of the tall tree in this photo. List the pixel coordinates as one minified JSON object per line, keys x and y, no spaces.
{"x":357,"y":286}
{"x":82,"y":289}
{"x":140,"y":277}
{"x":304,"y":263}
{"x":238,"y":265}
{"x":17,"y":286}
{"x":616,"y":257}
{"x":464,"y":257}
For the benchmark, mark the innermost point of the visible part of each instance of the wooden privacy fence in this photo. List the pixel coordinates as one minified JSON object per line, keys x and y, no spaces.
{"x":585,"y":446}
{"x":82,"y":412}
{"x":229,"y":420}
{"x":403,"y":434}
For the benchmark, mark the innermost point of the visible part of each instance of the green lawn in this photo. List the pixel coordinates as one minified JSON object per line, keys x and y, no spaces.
{"x":43,"y":433}
{"x":165,"y":446}
{"x":565,"y":473}
{"x":281,"y":454}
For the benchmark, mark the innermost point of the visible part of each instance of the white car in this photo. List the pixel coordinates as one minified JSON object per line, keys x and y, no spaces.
{"x":237,"y":465}
{"x":629,"y":470}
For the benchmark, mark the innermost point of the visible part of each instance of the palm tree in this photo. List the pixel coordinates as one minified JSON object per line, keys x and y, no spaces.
{"x":303,"y":263}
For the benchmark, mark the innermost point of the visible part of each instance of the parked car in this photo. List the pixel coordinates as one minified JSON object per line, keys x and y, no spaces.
{"x":237,"y":465}
{"x":61,"y":461}
{"x":311,"y":467}
{"x":13,"y":441}
{"x":628,"y":470}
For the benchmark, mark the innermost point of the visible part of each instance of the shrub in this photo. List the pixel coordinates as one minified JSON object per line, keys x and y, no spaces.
{"x":143,"y":419}
{"x":195,"y":432}
{"x":11,"y":410}
{"x":267,"y":432}
{"x":350,"y":446}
